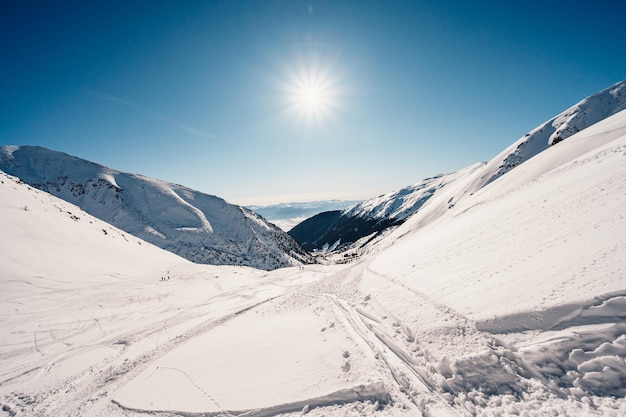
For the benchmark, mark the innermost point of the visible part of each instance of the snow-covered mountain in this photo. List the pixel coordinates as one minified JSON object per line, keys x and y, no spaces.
{"x":194,"y":225}
{"x":509,"y":301}
{"x":585,"y":113}
{"x":364,"y":221}
{"x":44,"y":236}
{"x":335,"y":229}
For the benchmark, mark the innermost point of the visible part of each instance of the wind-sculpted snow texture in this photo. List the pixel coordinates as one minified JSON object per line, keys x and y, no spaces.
{"x":509,"y":301}
{"x":196,"y":226}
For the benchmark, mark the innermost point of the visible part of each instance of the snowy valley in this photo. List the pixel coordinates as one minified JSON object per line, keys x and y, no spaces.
{"x":502,"y":291}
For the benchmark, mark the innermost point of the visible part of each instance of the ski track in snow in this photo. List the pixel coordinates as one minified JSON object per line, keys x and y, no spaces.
{"x":112,"y":372}
{"x":403,"y":358}
{"x":87,"y":392}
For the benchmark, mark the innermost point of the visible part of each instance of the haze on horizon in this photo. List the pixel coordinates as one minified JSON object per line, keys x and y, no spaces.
{"x":268,"y":102}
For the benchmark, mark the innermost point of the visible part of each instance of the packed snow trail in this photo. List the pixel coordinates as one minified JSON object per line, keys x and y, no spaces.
{"x":274,"y":356}
{"x":409,"y":354}
{"x":384,"y":351}
{"x":360,"y":299}
{"x":436,"y":358}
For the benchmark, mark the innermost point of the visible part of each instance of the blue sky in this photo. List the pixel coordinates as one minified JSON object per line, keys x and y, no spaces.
{"x":262,"y":102}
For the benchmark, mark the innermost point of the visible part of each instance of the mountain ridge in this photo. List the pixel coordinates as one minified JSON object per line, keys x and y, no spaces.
{"x":197,"y":226}
{"x":442,"y":192}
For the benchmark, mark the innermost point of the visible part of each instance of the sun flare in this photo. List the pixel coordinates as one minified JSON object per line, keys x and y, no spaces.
{"x":311,"y":91}
{"x":311,"y":96}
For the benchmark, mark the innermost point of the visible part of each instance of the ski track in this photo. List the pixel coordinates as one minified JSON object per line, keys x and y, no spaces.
{"x":87,"y":391}
{"x":384,"y":351}
{"x":400,"y":356}
{"x":411,"y":367}
{"x":439,"y":360}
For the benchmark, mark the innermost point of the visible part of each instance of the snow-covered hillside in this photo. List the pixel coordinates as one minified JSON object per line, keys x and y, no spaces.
{"x":510,"y":302}
{"x":438,"y":194}
{"x":196,"y":226}
{"x":536,"y":261}
{"x":44,"y":236}
{"x":587,"y":112}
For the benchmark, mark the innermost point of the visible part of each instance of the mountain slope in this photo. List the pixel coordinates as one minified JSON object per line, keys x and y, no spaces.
{"x":331,"y":230}
{"x":196,"y":226}
{"x":435,"y":196}
{"x":44,"y":236}
{"x":580,"y":116}
{"x":535,"y":261}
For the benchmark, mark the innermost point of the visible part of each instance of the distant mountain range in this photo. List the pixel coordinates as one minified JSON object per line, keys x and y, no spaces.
{"x":287,"y":215}
{"x":199,"y":227}
{"x":359,"y":224}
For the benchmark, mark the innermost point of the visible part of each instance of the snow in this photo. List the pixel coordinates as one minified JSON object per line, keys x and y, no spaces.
{"x":582,"y":115}
{"x":110,"y":178}
{"x":8,"y":150}
{"x":506,"y":299}
{"x":516,"y":252}
{"x":44,"y":224}
{"x":194,"y":225}
{"x":301,"y":360}
{"x":403,"y":203}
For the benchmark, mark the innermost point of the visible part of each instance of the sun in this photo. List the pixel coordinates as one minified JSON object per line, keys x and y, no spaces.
{"x":311,"y":96}
{"x":311,"y":91}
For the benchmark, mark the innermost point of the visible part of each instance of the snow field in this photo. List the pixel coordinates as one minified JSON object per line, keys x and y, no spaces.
{"x":86,"y":334}
{"x":257,"y":360}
